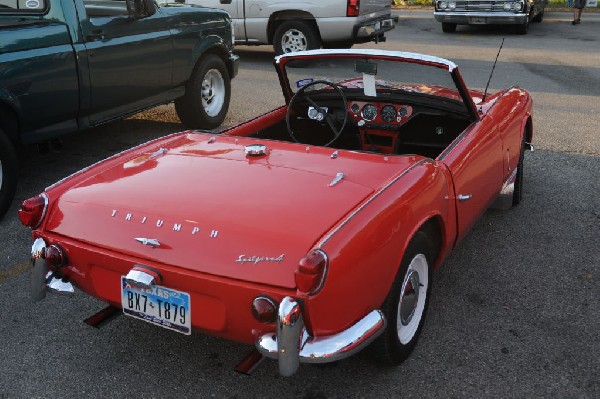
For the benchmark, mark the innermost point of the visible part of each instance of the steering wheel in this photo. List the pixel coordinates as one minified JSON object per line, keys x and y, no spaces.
{"x":317,"y":112}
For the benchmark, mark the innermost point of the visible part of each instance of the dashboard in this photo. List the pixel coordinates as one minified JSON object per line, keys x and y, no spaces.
{"x":383,"y":113}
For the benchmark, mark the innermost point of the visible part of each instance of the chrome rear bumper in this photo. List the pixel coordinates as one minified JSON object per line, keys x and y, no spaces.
{"x":291,"y":344}
{"x":41,"y":278}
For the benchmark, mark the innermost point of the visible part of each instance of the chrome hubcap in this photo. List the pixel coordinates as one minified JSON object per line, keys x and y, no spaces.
{"x":412,"y":298}
{"x":293,"y":40}
{"x":213,"y":92}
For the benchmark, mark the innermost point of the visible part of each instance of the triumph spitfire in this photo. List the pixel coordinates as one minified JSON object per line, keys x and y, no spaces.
{"x":310,"y":231}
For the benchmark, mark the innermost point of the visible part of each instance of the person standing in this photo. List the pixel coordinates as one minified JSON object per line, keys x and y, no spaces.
{"x":577,"y":10}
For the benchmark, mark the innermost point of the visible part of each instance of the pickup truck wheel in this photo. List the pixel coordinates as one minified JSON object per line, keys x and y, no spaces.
{"x":8,"y":173}
{"x":406,"y":303}
{"x":207,"y":94}
{"x":295,"y":36}
{"x":518,"y":190}
{"x":447,"y":27}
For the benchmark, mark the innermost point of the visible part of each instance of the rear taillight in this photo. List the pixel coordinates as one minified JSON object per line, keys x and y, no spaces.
{"x":353,"y":8}
{"x":55,"y":256}
{"x":264,"y":309}
{"x":33,"y":210}
{"x":311,"y":271}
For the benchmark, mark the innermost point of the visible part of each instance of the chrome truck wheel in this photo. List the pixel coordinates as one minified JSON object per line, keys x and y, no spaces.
{"x":293,"y":36}
{"x":207,"y":94}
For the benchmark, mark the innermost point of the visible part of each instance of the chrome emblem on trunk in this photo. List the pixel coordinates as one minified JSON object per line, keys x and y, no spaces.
{"x":153,"y":242}
{"x":257,"y":259}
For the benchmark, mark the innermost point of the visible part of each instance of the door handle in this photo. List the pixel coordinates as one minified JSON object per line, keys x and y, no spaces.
{"x":464,"y":197}
{"x":95,"y":35}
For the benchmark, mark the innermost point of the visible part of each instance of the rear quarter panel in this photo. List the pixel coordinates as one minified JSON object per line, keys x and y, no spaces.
{"x":365,"y":251}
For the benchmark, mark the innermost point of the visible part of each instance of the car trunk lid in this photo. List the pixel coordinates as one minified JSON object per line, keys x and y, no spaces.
{"x":213,"y":209}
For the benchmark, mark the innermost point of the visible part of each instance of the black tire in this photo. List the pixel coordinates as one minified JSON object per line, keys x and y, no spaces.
{"x":447,"y":27}
{"x":518,"y":190}
{"x":397,"y":342}
{"x":207,"y":94}
{"x":295,"y":36}
{"x":342,"y":45}
{"x":8,"y":173}
{"x":539,"y":17}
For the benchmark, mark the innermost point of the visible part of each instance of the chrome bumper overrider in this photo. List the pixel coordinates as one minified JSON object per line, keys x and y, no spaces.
{"x":292,"y":345}
{"x":41,"y":278}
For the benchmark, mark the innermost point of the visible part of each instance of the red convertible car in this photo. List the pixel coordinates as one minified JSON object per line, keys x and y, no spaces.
{"x":311,"y":231}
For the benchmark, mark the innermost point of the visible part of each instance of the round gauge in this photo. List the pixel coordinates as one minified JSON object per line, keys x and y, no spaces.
{"x":312,"y":113}
{"x":354,"y":108}
{"x":388,"y":113}
{"x":369,"y":112}
{"x":402,"y":112}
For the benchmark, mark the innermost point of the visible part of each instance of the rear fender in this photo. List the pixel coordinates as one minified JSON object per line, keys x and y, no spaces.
{"x":366,"y":250}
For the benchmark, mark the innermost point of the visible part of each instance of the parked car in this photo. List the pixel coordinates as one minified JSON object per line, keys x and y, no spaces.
{"x":306,"y":25}
{"x":518,"y":13}
{"x":67,"y":65}
{"x":310,"y":231}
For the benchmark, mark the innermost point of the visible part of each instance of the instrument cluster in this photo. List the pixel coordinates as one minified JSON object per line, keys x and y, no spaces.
{"x":380,"y":112}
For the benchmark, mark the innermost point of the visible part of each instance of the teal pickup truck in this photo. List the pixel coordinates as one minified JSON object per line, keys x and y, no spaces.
{"x":67,"y":65}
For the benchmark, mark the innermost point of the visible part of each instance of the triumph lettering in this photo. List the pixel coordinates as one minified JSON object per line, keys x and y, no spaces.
{"x":130,"y":216}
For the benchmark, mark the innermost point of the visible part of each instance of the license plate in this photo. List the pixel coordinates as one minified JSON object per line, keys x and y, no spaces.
{"x":158,"y":305}
{"x":477,"y":20}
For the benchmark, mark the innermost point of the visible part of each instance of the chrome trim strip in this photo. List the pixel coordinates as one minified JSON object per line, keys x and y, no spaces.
{"x":374,"y":53}
{"x":360,"y":208}
{"x":38,"y":271}
{"x":292,"y":345}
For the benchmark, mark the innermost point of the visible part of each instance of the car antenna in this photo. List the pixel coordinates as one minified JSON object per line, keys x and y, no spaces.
{"x":491,"y":73}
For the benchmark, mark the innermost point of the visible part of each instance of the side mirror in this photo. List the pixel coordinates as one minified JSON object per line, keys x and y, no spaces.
{"x":139,"y":9}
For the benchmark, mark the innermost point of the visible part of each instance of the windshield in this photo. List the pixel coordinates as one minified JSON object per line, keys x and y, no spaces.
{"x":373,"y":76}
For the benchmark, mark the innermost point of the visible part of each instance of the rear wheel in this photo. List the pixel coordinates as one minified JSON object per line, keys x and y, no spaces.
{"x":539,"y":17}
{"x":207,"y":94}
{"x":448,"y":27}
{"x":406,"y":303}
{"x":293,"y":36}
{"x":8,"y":173}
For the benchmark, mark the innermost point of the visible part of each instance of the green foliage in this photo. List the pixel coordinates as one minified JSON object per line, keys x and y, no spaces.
{"x":412,"y":2}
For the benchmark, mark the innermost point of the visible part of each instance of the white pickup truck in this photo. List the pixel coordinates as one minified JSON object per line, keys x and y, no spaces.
{"x":306,"y":24}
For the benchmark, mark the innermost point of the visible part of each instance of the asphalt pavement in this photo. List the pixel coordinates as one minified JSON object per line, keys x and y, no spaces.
{"x":515,"y":311}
